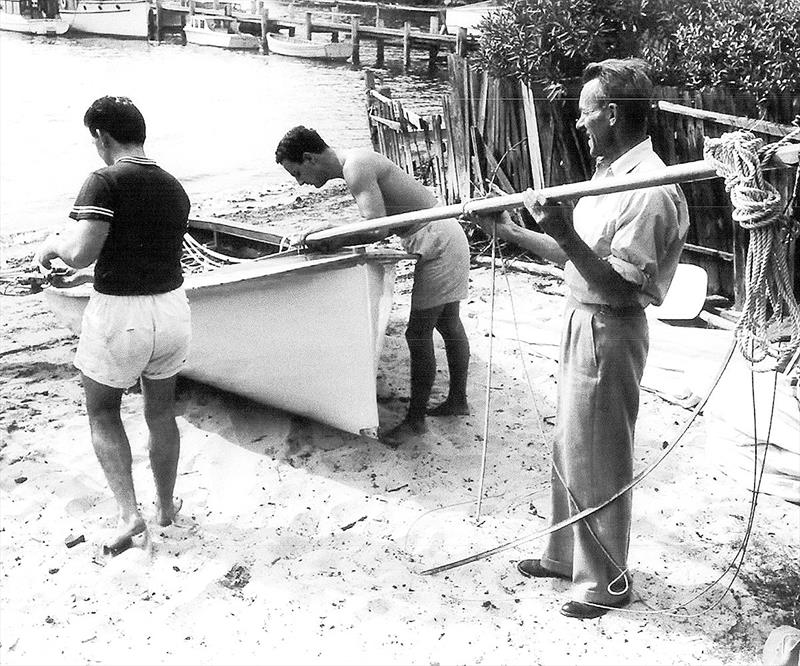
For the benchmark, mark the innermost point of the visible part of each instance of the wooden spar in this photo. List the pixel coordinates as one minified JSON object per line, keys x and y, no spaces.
{"x":679,"y":173}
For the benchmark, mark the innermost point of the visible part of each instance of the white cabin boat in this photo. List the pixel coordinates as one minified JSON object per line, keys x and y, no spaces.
{"x":299,"y":331}
{"x":219,"y":31}
{"x":469,"y":16}
{"x":113,"y":18}
{"x":305,"y":48}
{"x":32,"y":17}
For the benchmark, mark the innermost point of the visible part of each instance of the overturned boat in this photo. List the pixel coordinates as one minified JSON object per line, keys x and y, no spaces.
{"x":295,"y":330}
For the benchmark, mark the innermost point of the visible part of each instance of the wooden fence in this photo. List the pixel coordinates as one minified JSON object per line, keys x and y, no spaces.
{"x":502,"y":135}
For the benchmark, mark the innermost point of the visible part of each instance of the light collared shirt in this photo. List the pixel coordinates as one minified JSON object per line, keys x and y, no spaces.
{"x":639,"y":232}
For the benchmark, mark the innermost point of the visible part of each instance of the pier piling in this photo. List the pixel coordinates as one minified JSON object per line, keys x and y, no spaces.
{"x":406,"y":46}
{"x":379,"y":44}
{"x":355,"y":25}
{"x":264,"y":27}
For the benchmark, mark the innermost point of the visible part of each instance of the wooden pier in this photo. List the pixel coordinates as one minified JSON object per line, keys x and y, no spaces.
{"x":170,"y":17}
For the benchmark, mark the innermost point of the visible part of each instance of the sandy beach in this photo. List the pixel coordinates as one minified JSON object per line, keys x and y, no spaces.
{"x":300,"y":544}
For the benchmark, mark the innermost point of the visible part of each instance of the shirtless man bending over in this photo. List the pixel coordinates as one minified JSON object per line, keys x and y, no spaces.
{"x":441,"y":275}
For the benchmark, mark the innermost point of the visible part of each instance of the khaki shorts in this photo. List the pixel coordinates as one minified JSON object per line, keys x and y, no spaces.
{"x":127,"y":337}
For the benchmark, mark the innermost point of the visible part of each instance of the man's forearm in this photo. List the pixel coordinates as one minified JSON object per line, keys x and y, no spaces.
{"x":600,"y":274}
{"x":64,"y":246}
{"x":539,"y":244}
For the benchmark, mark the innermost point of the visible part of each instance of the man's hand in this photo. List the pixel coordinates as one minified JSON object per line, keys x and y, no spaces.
{"x":327,"y":245}
{"x":493,"y":224}
{"x":45,"y":254}
{"x":553,"y":217}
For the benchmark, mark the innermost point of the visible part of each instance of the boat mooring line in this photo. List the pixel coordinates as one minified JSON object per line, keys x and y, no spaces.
{"x":488,"y":379}
{"x":589,"y":511}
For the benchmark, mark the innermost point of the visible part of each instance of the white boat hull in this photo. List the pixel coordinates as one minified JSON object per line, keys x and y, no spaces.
{"x":300,"y":333}
{"x":469,"y":16}
{"x":31,"y":26}
{"x":223,"y":40}
{"x":304,"y":48}
{"x":114,"y":18}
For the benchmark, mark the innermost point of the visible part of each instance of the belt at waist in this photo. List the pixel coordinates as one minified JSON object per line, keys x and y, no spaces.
{"x":602,"y":308}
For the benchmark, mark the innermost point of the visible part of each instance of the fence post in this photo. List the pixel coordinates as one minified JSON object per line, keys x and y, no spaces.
{"x":461,"y":42}
{"x":369,"y":83}
{"x":308,"y":26}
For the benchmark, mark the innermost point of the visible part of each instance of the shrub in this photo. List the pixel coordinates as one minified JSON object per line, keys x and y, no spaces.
{"x":748,"y":45}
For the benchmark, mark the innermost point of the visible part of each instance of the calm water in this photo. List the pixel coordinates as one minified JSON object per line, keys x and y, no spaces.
{"x":213,"y":117}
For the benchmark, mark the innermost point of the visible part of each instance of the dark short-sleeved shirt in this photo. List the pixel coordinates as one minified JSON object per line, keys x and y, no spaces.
{"x":147,"y":210}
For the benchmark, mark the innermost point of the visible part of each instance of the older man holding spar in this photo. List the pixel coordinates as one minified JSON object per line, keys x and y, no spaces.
{"x":619,"y":252}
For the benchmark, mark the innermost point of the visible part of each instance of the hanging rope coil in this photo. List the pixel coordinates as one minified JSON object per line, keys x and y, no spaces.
{"x":758,"y":207}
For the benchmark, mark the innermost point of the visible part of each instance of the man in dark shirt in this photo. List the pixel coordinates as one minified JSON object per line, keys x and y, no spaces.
{"x":130,"y":219}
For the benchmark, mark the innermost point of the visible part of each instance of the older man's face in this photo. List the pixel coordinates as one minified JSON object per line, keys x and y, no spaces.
{"x":594,"y":119}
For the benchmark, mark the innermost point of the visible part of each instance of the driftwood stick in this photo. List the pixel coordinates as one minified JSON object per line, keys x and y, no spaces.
{"x":679,"y":173}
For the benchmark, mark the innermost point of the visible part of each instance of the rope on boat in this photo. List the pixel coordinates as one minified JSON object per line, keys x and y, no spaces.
{"x":757,"y":206}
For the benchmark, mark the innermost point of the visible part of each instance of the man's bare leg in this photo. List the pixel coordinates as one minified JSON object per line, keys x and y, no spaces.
{"x":456,"y":345}
{"x":113,"y":451}
{"x":419,"y":336}
{"x":164,"y":444}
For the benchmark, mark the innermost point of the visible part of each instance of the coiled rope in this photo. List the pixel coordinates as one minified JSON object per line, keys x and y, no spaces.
{"x":757,"y":206}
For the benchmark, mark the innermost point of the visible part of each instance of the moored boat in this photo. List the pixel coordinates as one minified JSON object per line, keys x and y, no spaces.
{"x":219,"y":31}
{"x":36,"y":17}
{"x":299,"y":331}
{"x":113,"y":18}
{"x":306,"y":48}
{"x":469,"y":16}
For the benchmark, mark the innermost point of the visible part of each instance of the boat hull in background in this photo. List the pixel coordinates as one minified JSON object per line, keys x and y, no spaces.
{"x":304,"y":48}
{"x":113,"y":18}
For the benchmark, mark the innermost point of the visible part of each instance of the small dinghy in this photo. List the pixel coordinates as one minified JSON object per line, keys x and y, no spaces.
{"x":296,"y":330}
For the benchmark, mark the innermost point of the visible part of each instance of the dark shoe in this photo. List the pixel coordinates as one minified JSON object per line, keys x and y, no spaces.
{"x":584,"y":611}
{"x":534,"y":569}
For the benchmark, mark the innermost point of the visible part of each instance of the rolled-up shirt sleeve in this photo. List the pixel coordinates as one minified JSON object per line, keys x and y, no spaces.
{"x":648,"y":224}
{"x":95,"y":200}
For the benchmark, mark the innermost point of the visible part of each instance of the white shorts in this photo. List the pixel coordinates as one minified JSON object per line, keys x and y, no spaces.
{"x":127,"y":337}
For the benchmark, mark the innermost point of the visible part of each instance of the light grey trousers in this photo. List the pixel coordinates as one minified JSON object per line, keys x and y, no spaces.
{"x":603,"y":353}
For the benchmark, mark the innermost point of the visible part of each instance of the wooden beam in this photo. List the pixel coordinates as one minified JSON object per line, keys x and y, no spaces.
{"x":671,"y":175}
{"x":752,"y":124}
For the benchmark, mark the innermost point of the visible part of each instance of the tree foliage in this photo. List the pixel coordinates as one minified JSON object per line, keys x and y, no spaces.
{"x":748,"y":45}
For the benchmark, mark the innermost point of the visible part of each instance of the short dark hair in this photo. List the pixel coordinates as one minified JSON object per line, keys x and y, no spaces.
{"x":627,"y":84}
{"x":119,"y":117}
{"x":297,"y":141}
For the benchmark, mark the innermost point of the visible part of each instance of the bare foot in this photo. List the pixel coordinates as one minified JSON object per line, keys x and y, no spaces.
{"x":450,"y":408}
{"x":135,"y":529}
{"x":407,"y":429}
{"x":165,"y":517}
